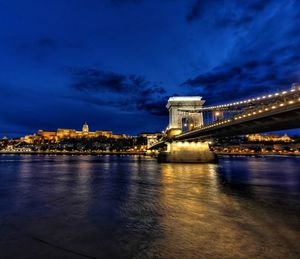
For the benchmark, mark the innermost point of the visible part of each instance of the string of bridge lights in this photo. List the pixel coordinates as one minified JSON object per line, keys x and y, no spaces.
{"x":253,"y":113}
{"x":260,"y":98}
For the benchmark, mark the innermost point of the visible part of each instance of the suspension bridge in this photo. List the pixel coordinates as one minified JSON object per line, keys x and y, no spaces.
{"x":192,"y":125}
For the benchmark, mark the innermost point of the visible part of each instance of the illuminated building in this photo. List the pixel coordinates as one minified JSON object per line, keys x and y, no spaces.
{"x":269,"y":138}
{"x":85,"y":128}
{"x":29,"y":139}
{"x":70,"y":133}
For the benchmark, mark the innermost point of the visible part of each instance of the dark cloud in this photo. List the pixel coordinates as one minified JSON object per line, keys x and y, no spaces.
{"x":196,"y":10}
{"x":234,"y":21}
{"x":226,"y":13}
{"x":127,"y":92}
{"x":97,"y":80}
{"x":41,"y":47}
{"x":47,"y":42}
{"x":201,"y":8}
{"x":253,"y":77}
{"x":154,"y":107}
{"x":38,"y":44}
{"x":259,"y":6}
{"x":214,"y":78}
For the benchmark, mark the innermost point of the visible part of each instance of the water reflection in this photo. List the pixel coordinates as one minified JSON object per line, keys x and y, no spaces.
{"x":214,"y":211}
{"x":63,"y":206}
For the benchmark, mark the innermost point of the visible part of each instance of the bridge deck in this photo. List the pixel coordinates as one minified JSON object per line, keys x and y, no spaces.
{"x":279,"y":111}
{"x":270,"y":119}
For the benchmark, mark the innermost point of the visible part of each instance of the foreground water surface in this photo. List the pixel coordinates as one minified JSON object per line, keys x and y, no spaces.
{"x":133,"y":207}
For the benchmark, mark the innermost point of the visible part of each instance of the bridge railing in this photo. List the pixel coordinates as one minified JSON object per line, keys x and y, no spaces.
{"x":289,"y":99}
{"x":243,"y":104}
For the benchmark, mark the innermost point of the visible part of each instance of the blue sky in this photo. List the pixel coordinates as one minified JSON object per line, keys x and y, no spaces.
{"x":114,"y":63}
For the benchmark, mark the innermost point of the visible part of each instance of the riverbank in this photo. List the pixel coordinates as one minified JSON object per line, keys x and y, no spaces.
{"x":142,"y":153}
{"x":72,"y":153}
{"x":257,"y":154}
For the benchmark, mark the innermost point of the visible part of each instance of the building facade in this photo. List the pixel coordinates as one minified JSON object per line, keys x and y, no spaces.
{"x":269,"y":138}
{"x":70,"y":133}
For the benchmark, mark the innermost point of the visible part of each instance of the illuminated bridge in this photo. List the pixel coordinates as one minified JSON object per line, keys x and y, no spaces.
{"x":187,"y":131}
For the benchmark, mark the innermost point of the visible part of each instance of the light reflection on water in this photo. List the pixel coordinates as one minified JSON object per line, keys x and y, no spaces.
{"x":95,"y":207}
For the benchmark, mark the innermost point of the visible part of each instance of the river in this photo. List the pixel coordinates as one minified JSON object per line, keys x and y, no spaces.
{"x":133,"y":207}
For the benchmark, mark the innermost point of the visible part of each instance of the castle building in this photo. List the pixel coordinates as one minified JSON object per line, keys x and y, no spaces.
{"x":70,"y":133}
{"x":85,"y":128}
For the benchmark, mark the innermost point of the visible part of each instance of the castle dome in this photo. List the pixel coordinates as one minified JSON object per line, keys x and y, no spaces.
{"x":85,"y":128}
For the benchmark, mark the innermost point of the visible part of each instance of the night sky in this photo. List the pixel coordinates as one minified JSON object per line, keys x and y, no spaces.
{"x":114,"y":63}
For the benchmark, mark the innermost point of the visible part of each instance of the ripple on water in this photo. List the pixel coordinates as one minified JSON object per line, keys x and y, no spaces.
{"x":95,"y":207}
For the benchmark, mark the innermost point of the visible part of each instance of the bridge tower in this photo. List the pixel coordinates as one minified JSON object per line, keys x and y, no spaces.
{"x":182,"y":115}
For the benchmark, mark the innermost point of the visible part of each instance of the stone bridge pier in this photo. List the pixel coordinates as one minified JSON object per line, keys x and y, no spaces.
{"x":187,"y":152}
{"x":182,"y":118}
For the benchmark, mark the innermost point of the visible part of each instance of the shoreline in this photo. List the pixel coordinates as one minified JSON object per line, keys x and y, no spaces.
{"x":141,"y":153}
{"x":223,"y":154}
{"x":79,"y":153}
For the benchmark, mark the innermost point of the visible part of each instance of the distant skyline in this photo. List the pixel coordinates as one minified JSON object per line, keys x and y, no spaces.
{"x":114,"y":63}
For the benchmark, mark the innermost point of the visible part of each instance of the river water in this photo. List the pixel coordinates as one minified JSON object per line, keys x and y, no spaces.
{"x":133,"y":207}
